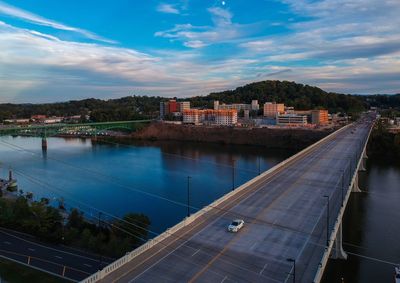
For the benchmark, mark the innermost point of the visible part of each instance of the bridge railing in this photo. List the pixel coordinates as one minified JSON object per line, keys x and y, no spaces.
{"x":188,"y":220}
{"x":339,"y":215}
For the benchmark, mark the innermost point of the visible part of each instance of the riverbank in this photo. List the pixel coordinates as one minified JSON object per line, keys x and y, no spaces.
{"x":273,"y":138}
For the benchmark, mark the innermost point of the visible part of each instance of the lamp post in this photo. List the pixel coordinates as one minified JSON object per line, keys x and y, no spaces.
{"x":233,"y":173}
{"x":342,"y":171}
{"x":188,"y":195}
{"x":294,"y":268}
{"x":327,"y":220}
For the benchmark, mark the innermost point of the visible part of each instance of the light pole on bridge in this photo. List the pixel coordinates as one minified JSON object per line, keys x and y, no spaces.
{"x":188,"y":195}
{"x":342,"y":171}
{"x":233,"y":173}
{"x":327,"y":220}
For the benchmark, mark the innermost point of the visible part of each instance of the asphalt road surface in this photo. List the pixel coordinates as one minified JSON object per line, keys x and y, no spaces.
{"x":285,"y":216}
{"x":52,"y":258}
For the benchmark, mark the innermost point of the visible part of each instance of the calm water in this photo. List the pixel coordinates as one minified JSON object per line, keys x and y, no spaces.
{"x":119,"y":179}
{"x":371,"y":228}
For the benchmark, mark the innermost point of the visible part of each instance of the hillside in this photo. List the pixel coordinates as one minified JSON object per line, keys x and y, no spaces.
{"x":137,"y":107}
{"x":300,"y":96}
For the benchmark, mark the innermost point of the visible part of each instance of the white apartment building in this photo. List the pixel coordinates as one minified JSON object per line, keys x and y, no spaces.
{"x":291,"y":120}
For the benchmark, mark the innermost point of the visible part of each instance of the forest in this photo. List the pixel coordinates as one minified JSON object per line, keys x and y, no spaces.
{"x":144,"y":107}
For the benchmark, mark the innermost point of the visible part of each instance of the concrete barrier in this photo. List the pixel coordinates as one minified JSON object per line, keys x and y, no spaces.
{"x":188,"y":220}
{"x":325,"y":258}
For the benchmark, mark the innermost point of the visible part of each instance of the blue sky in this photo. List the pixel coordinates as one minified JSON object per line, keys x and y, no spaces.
{"x":62,"y":50}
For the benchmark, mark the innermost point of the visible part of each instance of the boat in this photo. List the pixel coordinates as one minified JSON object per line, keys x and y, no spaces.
{"x":397,"y":274}
{"x":12,"y":185}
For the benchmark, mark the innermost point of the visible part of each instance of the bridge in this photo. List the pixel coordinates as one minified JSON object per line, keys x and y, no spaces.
{"x":86,"y":129}
{"x":293,"y":223}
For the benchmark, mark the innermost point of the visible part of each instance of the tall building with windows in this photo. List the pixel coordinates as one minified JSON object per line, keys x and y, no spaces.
{"x":319,"y":117}
{"x":237,"y":106}
{"x":173,"y":106}
{"x":210,"y":116}
{"x":271,"y":110}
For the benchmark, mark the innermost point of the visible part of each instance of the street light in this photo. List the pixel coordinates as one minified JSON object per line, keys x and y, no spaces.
{"x":342,"y":171}
{"x":188,"y":195}
{"x":233,"y":173}
{"x":294,"y":268}
{"x":327,"y":220}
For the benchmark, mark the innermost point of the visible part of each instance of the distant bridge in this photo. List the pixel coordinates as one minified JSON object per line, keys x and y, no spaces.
{"x":86,"y":129}
{"x":293,"y":223}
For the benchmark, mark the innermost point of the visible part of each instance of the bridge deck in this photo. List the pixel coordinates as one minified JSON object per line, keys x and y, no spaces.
{"x":285,"y":216}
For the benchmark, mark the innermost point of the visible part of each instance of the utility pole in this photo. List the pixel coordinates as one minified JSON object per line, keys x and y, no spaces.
{"x":327,"y":221}
{"x":188,"y":195}
{"x":233,"y":173}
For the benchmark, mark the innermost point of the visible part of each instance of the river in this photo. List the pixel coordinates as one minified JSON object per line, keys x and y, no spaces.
{"x":152,"y":178}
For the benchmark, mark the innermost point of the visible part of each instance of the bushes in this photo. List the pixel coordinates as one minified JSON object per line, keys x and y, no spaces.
{"x":47,"y":223}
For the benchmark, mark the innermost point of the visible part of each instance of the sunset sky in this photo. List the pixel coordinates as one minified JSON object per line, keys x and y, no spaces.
{"x":62,"y":50}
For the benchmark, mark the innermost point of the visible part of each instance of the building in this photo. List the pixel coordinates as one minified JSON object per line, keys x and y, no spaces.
{"x":291,"y":120}
{"x":271,"y":110}
{"x":237,"y":106}
{"x":191,"y":116}
{"x":210,"y":116}
{"x":319,"y":117}
{"x":173,"y":107}
{"x":183,"y":105}
{"x":226,"y":117}
{"x":254,"y":105}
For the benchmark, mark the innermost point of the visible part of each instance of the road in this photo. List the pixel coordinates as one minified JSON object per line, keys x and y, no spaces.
{"x":285,"y":215}
{"x":51,"y":258}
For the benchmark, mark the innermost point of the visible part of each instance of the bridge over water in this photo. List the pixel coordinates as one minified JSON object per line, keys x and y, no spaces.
{"x":293,"y":214}
{"x":87,"y":129}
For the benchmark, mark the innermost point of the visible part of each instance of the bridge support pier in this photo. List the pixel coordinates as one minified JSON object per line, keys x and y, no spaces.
{"x":337,"y":249}
{"x":355,"y":188}
{"x":44,"y":144}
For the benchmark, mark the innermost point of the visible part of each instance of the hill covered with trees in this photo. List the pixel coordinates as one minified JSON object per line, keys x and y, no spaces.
{"x":141,"y":107}
{"x":300,"y":96}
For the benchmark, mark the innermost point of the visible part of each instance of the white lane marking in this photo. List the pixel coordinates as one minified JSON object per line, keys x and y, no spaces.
{"x":313,"y":154}
{"x":46,"y":247}
{"x":196,"y":252}
{"x":59,"y":257}
{"x":253,"y":245}
{"x":88,"y":265}
{"x":262,"y":270}
{"x":7,"y":243}
{"x":32,"y":250}
{"x":223,"y":280}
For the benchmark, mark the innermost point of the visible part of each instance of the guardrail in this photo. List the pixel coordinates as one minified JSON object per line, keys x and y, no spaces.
{"x":188,"y":220}
{"x":333,"y":235}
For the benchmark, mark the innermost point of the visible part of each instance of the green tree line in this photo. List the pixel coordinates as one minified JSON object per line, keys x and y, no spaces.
{"x":38,"y":218}
{"x":300,"y":96}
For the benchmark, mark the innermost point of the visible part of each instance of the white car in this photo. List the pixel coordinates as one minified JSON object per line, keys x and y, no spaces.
{"x":236,"y":225}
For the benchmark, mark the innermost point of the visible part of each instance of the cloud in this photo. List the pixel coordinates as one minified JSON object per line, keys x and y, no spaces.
{"x":223,"y":30}
{"x":15,"y":12}
{"x":167,"y":8}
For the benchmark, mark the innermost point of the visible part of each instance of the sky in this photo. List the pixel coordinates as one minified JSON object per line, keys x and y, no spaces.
{"x":65,"y":50}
